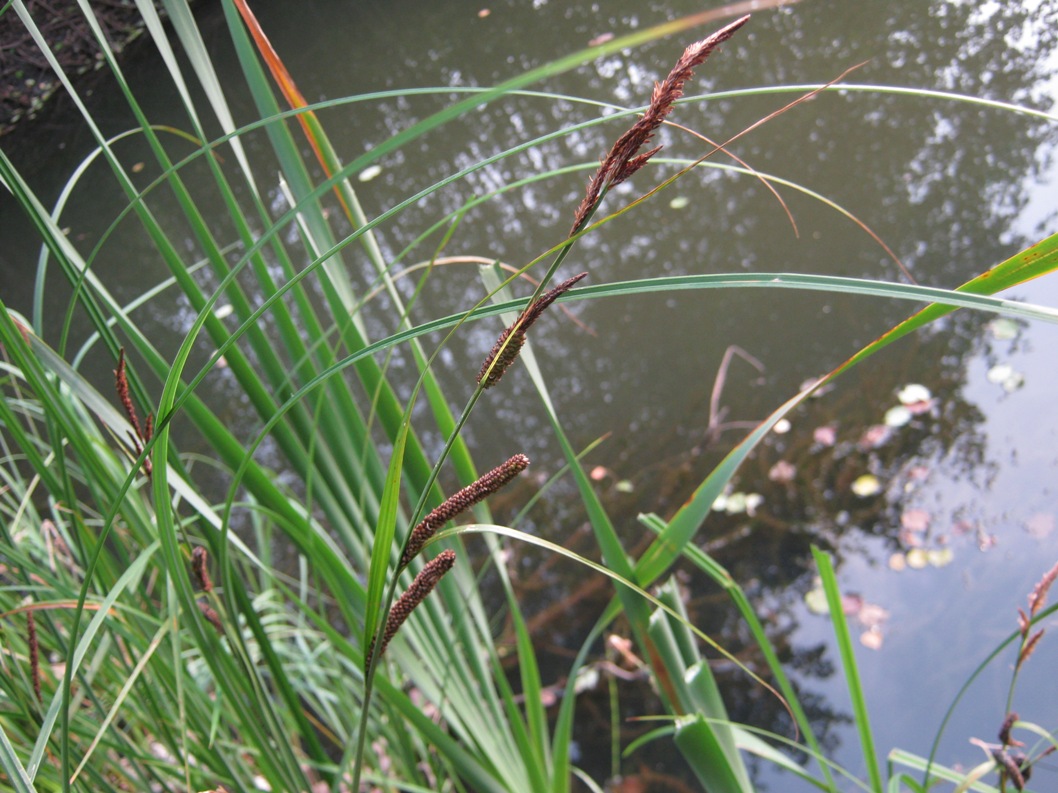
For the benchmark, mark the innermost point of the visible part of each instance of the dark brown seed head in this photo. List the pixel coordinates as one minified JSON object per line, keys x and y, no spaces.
{"x":624,"y":159}
{"x":422,"y":586}
{"x":1004,"y":730}
{"x":1038,"y":596}
{"x":505,"y":351}
{"x":211,"y":615}
{"x":34,"y":653}
{"x":200,"y":567}
{"x":459,"y":502}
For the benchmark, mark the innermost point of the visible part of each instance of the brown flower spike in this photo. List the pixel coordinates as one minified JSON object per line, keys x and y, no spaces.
{"x":200,"y":567}
{"x":139,"y":437}
{"x":422,"y":586}
{"x":34,"y":653}
{"x":1037,"y":600}
{"x":624,"y":158}
{"x":509,"y":344}
{"x":470,"y":495}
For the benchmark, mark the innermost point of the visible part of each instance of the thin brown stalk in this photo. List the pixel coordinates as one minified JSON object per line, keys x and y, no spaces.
{"x":460,"y":502}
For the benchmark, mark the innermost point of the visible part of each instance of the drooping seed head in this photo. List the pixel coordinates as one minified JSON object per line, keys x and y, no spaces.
{"x":422,"y":586}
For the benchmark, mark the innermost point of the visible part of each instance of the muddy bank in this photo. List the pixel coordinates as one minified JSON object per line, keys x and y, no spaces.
{"x":26,"y":79}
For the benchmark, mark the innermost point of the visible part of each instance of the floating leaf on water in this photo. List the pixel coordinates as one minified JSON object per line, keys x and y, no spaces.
{"x":624,"y":486}
{"x":816,"y":600}
{"x":851,"y":604}
{"x":1003,"y":374}
{"x":897,"y":416}
{"x":1040,"y":524}
{"x":867,"y":485}
{"x":909,"y":539}
{"x":871,"y":615}
{"x":782,"y":471}
{"x":587,"y":679}
{"x":918,"y":472}
{"x":1014,"y":382}
{"x":826,"y":435}
{"x":940,"y":557}
{"x":1003,"y":329}
{"x":897,"y":562}
{"x":918,"y":408}
{"x":369,"y":173}
{"x":917,"y":558}
{"x":736,"y":502}
{"x":1000,"y":372}
{"x":782,"y":426}
{"x":913,"y":392}
{"x":872,"y":639}
{"x":915,"y":520}
{"x":680,"y":201}
{"x":875,"y":435}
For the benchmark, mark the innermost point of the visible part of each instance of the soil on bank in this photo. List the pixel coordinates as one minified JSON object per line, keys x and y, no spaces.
{"x":26,"y":79}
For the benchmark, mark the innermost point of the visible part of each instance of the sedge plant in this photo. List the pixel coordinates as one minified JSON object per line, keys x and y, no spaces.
{"x":154,"y":645}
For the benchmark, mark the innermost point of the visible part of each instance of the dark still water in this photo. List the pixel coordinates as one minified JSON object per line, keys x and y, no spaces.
{"x":938,"y":501}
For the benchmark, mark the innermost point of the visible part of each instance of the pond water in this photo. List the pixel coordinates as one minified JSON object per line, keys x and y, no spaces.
{"x":967,"y":497}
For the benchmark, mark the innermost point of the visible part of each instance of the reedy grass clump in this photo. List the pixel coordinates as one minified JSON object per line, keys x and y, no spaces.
{"x":282,"y":680}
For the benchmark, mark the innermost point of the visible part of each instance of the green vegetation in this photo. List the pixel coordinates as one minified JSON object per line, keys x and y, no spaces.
{"x":147,"y":645}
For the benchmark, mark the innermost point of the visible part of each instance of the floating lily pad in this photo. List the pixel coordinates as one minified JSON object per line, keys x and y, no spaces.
{"x":825,"y":436}
{"x":1040,"y":525}
{"x":1005,"y":375}
{"x":872,"y":638}
{"x":369,"y":173}
{"x":867,"y":485}
{"x":912,"y":393}
{"x":816,"y":600}
{"x":1003,"y":329}
{"x":915,"y":520}
{"x":897,"y":416}
{"x":783,"y":471}
{"x":917,"y":558}
{"x":875,"y":435}
{"x":940,"y":557}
